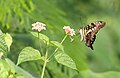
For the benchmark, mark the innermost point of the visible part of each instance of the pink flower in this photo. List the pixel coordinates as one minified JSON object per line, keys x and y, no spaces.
{"x":38,"y":26}
{"x":69,"y":31}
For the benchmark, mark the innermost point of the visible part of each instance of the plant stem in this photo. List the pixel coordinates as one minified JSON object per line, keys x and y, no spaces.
{"x":45,"y":62}
{"x":40,"y":44}
{"x":47,"y":59}
{"x":57,"y":48}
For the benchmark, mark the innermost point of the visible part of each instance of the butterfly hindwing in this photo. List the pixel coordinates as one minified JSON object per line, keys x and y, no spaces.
{"x":90,"y":41}
{"x":88,"y":33}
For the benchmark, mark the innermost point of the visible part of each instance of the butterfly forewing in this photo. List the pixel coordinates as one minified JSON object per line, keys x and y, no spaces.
{"x":88,"y":33}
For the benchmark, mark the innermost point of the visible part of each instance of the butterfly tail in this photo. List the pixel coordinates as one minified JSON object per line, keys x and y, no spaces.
{"x":91,"y":47}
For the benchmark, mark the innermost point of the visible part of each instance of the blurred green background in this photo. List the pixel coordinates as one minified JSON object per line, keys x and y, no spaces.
{"x":16,"y":17}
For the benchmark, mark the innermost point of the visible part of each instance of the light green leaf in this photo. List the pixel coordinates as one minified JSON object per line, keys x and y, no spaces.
{"x":41,"y":36}
{"x":22,"y":73}
{"x":64,"y":59}
{"x":28,"y":54}
{"x":8,"y":40}
{"x":11,"y":66}
{"x":57,"y":44}
{"x":1,"y":32}
{"x":4,"y":69}
{"x":3,"y":46}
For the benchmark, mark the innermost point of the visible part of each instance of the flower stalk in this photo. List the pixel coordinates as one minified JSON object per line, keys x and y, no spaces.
{"x":47,"y":59}
{"x":45,"y":63}
{"x":41,"y":50}
{"x":57,"y":48}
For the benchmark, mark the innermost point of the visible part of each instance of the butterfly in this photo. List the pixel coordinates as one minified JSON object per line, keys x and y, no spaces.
{"x":88,"y":33}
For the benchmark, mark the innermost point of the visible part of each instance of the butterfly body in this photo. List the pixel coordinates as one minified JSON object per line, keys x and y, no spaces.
{"x":88,"y":33}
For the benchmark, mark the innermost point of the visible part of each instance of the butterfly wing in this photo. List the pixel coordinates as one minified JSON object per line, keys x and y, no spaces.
{"x":90,"y":41}
{"x":90,"y":32}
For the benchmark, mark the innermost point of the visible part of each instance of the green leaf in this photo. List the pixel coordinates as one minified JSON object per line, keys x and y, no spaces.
{"x":64,"y":59}
{"x":57,"y":44}
{"x":28,"y":54}
{"x":4,"y":69}
{"x":20,"y":73}
{"x":1,"y":32}
{"x":3,"y":46}
{"x":41,"y":36}
{"x":8,"y":40}
{"x":11,"y":66}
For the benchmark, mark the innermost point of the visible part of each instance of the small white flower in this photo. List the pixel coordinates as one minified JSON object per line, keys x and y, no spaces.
{"x":39,"y":26}
{"x":69,"y":31}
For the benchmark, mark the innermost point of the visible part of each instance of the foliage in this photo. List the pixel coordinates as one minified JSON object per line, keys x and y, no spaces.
{"x":64,"y":59}
{"x":27,"y":54}
{"x":16,"y":17}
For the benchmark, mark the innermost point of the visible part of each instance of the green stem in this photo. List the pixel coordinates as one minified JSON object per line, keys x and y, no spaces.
{"x":40,"y":45}
{"x":45,"y":62}
{"x":57,"y":48}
